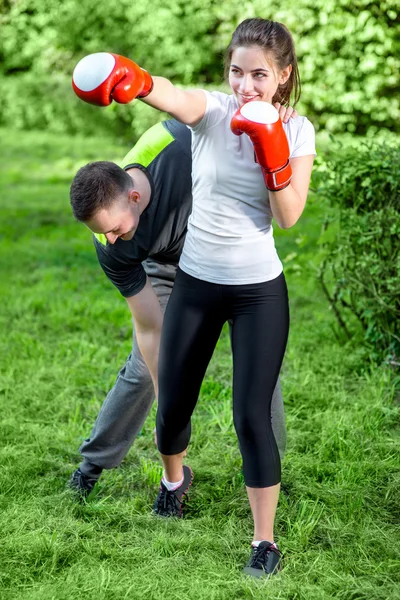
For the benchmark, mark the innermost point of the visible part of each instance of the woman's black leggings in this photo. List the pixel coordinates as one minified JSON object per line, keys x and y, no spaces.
{"x":193,"y":321}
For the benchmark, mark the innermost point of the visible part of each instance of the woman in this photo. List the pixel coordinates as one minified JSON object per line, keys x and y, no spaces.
{"x":229,"y":268}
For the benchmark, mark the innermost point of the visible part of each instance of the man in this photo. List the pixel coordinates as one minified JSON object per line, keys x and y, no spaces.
{"x":138,"y":213}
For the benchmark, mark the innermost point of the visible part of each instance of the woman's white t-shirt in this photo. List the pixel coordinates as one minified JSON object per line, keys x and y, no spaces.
{"x":230,"y":236}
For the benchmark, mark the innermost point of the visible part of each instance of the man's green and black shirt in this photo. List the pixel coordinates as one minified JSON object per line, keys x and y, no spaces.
{"x":163,"y":153}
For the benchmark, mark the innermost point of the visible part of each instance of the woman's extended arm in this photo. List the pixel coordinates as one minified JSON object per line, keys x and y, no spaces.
{"x":102,"y":77}
{"x":187,"y":106}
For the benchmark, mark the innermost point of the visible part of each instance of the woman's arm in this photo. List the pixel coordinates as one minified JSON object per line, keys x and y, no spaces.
{"x":102,"y":77}
{"x":287,"y":180}
{"x":187,"y":106}
{"x":288,"y":204}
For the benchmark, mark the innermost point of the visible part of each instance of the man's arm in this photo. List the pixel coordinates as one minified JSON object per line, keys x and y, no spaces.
{"x":148,"y":318}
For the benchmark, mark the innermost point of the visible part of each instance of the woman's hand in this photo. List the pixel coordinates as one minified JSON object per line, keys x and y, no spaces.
{"x":286,"y":113}
{"x":103,"y":77}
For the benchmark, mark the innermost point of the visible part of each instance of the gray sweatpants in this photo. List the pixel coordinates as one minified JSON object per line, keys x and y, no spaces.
{"x":128,"y":403}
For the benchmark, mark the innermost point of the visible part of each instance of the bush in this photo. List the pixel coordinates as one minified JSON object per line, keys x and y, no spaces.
{"x":347,"y":50}
{"x":26,"y":105}
{"x":360,"y":269}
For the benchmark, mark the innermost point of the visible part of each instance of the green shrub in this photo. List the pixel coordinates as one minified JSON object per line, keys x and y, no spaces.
{"x":347,"y":50}
{"x":360,"y":269}
{"x":24,"y":105}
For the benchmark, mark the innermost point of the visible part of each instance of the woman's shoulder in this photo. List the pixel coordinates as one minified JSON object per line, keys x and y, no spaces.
{"x":301,"y":136}
{"x":223,"y":98}
{"x":299,"y":129}
{"x":219,"y":107}
{"x":299,"y":124}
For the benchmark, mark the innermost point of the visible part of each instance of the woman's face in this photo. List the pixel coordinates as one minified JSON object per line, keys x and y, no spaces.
{"x":252,"y":76}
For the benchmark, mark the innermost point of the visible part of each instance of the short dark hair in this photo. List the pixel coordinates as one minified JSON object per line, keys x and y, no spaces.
{"x":273,"y":38}
{"x":96,"y":186}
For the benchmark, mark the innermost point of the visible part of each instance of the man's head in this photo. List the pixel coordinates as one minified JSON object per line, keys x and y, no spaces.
{"x":104,"y":197}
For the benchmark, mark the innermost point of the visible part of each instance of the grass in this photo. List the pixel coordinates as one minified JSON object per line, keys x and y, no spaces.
{"x":66,"y":332}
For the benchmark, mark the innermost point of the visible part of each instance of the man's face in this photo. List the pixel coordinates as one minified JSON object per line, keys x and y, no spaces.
{"x":120,"y":220}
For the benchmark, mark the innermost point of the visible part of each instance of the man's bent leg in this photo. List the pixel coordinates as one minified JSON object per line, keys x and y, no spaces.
{"x":121,"y":417}
{"x":278,"y":419}
{"x":128,"y":403}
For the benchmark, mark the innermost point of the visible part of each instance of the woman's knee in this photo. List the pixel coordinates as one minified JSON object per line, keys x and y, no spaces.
{"x":249,"y":426}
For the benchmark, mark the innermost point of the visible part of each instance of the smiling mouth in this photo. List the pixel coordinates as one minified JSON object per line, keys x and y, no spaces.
{"x":248,"y":98}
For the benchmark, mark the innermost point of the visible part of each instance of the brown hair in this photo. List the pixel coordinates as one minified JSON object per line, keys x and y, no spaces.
{"x":97,"y":185}
{"x":275,"y":39}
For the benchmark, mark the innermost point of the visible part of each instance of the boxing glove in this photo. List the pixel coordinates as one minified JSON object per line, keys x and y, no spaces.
{"x":261,"y":122}
{"x":103,"y":77}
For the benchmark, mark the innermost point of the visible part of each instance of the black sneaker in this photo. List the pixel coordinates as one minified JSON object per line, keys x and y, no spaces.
{"x":169,"y":503}
{"x":265,"y":560}
{"x":81,"y":484}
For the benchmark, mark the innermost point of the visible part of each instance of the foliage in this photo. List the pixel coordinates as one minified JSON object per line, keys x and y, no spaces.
{"x":26,"y":107}
{"x":347,"y":52}
{"x":360,"y":271}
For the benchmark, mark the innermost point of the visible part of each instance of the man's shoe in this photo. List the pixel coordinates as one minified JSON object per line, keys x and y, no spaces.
{"x":81,"y":484}
{"x":169,"y":503}
{"x":265,"y":560}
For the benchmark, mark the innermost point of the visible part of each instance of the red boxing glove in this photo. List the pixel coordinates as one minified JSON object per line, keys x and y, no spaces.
{"x":261,"y":122}
{"x":103,"y":77}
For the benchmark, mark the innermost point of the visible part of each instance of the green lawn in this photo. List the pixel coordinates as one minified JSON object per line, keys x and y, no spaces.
{"x":65,"y":333}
